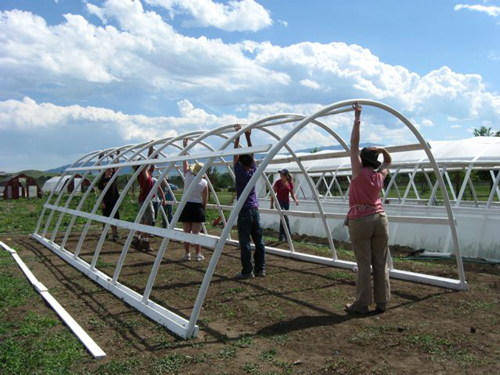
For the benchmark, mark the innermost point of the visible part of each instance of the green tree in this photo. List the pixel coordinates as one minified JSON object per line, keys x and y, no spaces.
{"x":483,"y":131}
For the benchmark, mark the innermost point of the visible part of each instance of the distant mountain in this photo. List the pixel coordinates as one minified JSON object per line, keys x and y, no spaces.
{"x":58,"y":170}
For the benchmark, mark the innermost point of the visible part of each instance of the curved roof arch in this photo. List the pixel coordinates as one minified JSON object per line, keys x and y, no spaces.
{"x":139,"y":157}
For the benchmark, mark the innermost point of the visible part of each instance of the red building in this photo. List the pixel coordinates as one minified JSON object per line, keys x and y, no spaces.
{"x":19,"y":186}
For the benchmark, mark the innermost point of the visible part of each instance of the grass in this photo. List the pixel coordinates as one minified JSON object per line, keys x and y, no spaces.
{"x":117,"y":367}
{"x":20,"y":216}
{"x":34,"y":341}
{"x":31,"y":342}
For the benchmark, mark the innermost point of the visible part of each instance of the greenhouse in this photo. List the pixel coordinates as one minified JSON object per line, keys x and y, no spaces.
{"x":426,"y":203}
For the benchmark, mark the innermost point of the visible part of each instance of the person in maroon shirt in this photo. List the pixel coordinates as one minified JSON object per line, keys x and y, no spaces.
{"x":283,"y":188}
{"x":145,"y":179}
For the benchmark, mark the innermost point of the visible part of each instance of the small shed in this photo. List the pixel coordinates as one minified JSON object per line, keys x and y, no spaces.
{"x":19,"y":186}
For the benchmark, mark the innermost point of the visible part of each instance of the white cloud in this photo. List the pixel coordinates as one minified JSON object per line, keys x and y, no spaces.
{"x":283,"y":23}
{"x":490,"y":10}
{"x":494,"y":56}
{"x":63,"y":133}
{"x":138,"y":54}
{"x":145,"y":52}
{"x":455,"y":126}
{"x":311,"y":84}
{"x":236,"y":15}
{"x":27,"y":116}
{"x":58,"y":135}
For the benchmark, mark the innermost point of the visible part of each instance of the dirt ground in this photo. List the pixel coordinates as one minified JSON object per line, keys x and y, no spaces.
{"x":290,"y":322}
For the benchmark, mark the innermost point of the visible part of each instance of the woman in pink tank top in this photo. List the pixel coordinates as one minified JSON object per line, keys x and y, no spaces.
{"x":368,"y":225}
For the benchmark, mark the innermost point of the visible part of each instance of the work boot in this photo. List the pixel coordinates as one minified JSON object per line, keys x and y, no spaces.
{"x":145,"y":245}
{"x":354,"y":308}
{"x":136,"y":243}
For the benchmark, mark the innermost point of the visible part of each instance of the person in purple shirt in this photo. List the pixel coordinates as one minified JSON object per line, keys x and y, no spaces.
{"x":248,"y":217}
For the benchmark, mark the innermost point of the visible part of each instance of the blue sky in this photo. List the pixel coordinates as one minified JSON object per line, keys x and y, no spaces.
{"x":77,"y":76}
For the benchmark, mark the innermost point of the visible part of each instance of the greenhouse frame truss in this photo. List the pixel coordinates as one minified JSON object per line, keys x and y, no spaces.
{"x":168,"y":156}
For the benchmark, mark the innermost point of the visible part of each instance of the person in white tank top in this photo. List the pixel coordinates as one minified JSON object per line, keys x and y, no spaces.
{"x":193,"y":214}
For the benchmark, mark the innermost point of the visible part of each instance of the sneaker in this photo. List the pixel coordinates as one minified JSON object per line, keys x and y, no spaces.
{"x":381,"y":307}
{"x":242,"y":276}
{"x":115,"y":237}
{"x":260,"y":273}
{"x":353,"y":308}
{"x":146,"y":246}
{"x":136,"y":243}
{"x":186,"y":257}
{"x":199,"y":257}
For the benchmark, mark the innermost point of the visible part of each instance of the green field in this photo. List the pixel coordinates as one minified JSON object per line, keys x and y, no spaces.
{"x":416,"y":333}
{"x":21,"y":216}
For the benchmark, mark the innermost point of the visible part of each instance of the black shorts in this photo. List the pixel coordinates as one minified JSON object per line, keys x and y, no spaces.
{"x":192,"y":213}
{"x":107,"y":212}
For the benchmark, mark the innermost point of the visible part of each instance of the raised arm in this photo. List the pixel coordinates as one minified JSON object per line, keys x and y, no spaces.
{"x":248,"y":134}
{"x":116,"y":160}
{"x":185,"y":164}
{"x":355,"y":136}
{"x":237,"y":127}
{"x":384,"y":168}
{"x":151,"y":168}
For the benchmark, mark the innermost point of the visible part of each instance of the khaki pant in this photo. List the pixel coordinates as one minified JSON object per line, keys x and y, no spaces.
{"x":369,"y":238}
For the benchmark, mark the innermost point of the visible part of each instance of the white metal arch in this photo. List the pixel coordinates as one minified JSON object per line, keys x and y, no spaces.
{"x":135,"y":156}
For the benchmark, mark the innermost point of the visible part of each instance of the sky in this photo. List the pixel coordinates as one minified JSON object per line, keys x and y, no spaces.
{"x":82,"y":75}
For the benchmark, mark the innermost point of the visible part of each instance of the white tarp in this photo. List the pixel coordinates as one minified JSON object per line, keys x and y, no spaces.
{"x":482,"y":150}
{"x":50,"y":184}
{"x":477,"y":226}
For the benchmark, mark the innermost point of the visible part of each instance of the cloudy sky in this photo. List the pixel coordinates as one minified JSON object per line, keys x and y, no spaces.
{"x":81,"y":75}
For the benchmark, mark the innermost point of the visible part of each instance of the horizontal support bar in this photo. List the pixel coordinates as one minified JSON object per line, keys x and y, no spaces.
{"x":175,"y":234}
{"x":441,"y":282}
{"x":159,"y":314}
{"x":341,"y":154}
{"x":174,"y":159}
{"x":340,"y":216}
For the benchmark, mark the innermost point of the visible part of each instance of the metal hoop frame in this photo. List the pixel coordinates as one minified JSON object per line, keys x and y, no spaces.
{"x":135,"y":156}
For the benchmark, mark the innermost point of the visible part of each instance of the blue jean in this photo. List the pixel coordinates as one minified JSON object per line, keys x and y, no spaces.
{"x":169,"y":210}
{"x":249,"y":226}
{"x":284,"y":206}
{"x":156,"y":206}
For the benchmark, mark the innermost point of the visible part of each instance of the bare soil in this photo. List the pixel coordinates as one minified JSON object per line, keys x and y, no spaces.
{"x":290,"y":322}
